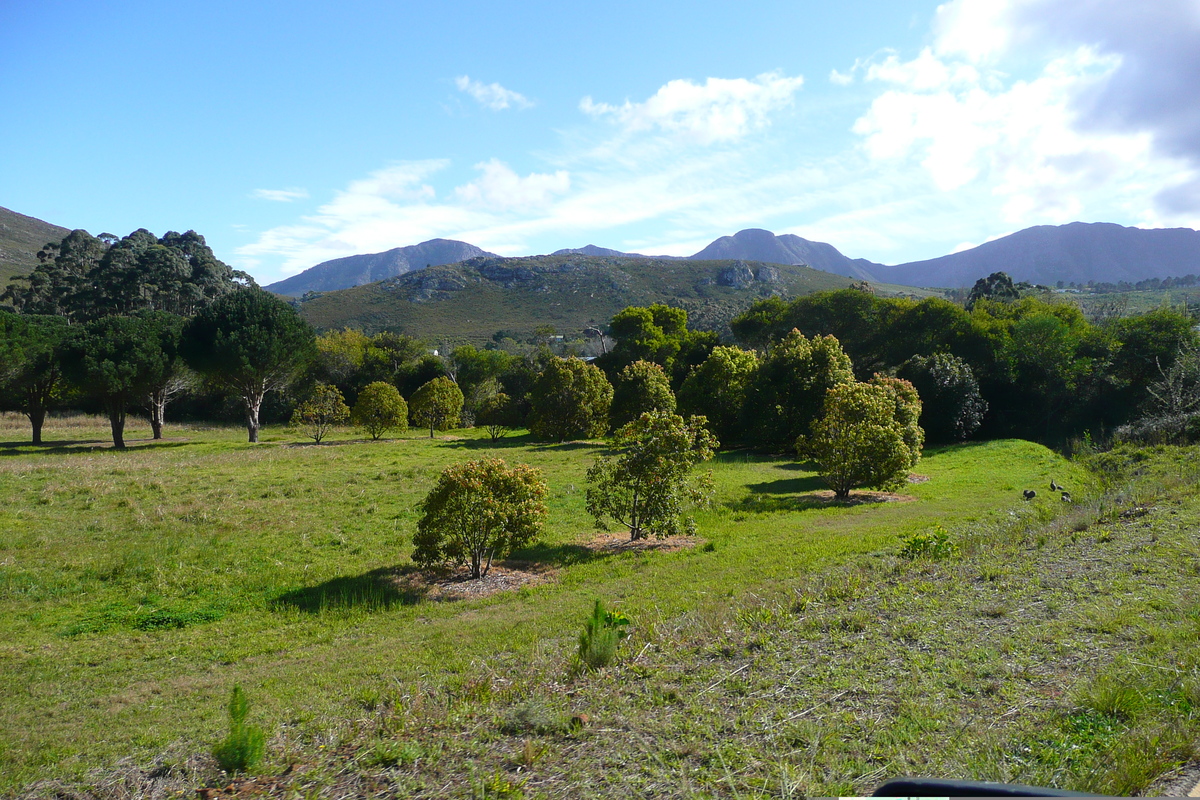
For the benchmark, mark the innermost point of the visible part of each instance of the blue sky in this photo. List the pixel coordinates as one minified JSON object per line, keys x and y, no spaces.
{"x":292,"y":133}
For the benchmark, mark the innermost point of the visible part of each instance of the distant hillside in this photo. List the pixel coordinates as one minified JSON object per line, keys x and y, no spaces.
{"x":1046,"y":254}
{"x":20,"y":239}
{"x":593,"y":250}
{"x":759,"y":245}
{"x":474,"y":299}
{"x":342,"y":273}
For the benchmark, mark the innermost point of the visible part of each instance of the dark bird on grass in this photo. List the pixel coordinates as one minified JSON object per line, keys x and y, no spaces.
{"x":1066,"y":497}
{"x":1054,"y":487}
{"x":1029,"y":494}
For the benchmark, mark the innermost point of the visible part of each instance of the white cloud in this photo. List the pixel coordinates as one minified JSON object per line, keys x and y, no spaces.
{"x":492,"y":95}
{"x":280,"y":195}
{"x":719,"y":110}
{"x":840,"y":78}
{"x":1150,"y":90}
{"x":500,"y":189}
{"x":1023,"y":140}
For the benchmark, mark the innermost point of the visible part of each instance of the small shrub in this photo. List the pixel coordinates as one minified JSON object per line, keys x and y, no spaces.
{"x":243,"y":748}
{"x":321,"y":412}
{"x":934,"y":545}
{"x":532,"y":718}
{"x":601,"y":632}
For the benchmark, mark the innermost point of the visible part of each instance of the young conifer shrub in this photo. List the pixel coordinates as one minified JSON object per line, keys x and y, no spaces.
{"x":601,"y":632}
{"x":243,"y":748}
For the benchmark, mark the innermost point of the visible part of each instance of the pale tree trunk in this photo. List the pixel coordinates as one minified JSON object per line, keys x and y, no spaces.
{"x":253,"y":404}
{"x":158,"y":407}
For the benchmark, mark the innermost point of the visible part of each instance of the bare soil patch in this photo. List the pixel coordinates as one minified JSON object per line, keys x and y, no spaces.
{"x":856,"y":498}
{"x":457,"y":583}
{"x":617,"y":541}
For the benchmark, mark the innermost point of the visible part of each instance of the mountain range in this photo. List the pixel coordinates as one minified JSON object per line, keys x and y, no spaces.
{"x":1046,"y":254}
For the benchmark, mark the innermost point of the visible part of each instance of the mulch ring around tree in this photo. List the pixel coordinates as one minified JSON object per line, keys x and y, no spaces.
{"x":457,"y":583}
{"x":619,"y":541}
{"x":857,"y":497}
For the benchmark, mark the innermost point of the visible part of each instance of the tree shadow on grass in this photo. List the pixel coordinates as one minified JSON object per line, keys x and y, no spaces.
{"x":809,"y":483}
{"x":504,"y":442}
{"x":377,"y":590}
{"x":75,"y":446}
{"x":557,"y":555}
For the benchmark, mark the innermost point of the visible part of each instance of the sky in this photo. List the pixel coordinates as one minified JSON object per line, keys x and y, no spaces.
{"x":896,"y":130}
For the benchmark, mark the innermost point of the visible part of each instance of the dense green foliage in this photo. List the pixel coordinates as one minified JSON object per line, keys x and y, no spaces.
{"x":864,"y":437}
{"x":657,"y":334}
{"x":251,"y":343}
{"x":788,"y":390}
{"x":478,"y":511}
{"x":717,"y":389}
{"x":601,"y":633}
{"x":380,"y":409}
{"x":645,"y":487}
{"x":121,"y":361}
{"x":569,"y":400}
{"x":1044,"y":371}
{"x":87,"y":277}
{"x":951,"y":406}
{"x":436,"y":405}
{"x":30,"y":368}
{"x":640,"y":387}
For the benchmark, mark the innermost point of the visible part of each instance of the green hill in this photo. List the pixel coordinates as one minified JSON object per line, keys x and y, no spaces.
{"x":475,"y":298}
{"x":20,"y":239}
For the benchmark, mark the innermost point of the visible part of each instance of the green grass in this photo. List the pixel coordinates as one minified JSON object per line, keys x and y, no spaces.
{"x":137,"y":588}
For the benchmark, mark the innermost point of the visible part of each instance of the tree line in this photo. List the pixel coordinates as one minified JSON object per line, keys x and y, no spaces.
{"x":139,"y":322}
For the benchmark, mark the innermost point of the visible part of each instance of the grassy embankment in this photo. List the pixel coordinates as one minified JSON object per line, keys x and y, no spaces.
{"x":793,"y":652}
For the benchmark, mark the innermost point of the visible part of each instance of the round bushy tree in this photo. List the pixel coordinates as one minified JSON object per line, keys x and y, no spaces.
{"x":436,"y":404}
{"x":952,"y":406}
{"x":324,"y":409}
{"x":645,"y":487}
{"x":859,"y":441}
{"x":640,"y":387}
{"x":570,"y":400}
{"x":379,"y":409}
{"x":717,"y":389}
{"x":479,"y":511}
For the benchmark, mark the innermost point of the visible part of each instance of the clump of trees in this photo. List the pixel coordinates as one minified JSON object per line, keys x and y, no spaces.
{"x":477,"y":512}
{"x":646,"y":486}
{"x":87,"y":277}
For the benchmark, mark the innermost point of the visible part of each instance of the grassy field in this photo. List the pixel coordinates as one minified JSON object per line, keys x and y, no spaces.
{"x":791,"y":651}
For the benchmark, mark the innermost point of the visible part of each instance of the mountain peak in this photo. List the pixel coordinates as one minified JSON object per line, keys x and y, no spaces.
{"x":343,"y":273}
